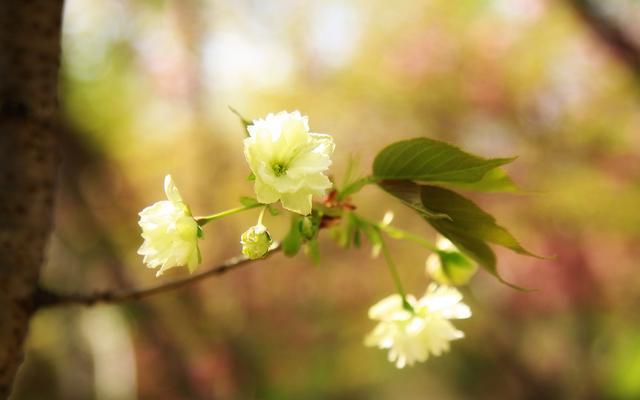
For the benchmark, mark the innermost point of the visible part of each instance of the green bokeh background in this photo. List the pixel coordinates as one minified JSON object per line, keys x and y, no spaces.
{"x":145,"y":87}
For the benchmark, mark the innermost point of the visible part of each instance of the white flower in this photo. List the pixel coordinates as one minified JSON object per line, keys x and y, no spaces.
{"x":256,"y":242}
{"x":449,"y":265}
{"x":287,"y":160}
{"x":412,"y":336}
{"x":170,"y":233}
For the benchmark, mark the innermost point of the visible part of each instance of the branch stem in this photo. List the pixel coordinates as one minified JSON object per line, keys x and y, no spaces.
{"x":46,"y":298}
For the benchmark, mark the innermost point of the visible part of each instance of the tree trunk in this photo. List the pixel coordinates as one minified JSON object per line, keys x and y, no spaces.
{"x":29,"y":59}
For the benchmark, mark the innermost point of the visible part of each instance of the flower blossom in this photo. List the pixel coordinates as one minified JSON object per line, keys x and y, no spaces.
{"x":170,"y":232}
{"x":412,"y":335}
{"x":288,"y":161}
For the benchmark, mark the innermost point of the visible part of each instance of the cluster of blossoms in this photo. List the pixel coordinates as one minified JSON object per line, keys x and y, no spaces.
{"x":288,"y":164}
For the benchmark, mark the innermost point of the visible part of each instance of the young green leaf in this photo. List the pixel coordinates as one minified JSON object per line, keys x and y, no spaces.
{"x":355,"y":187}
{"x":272,"y":210}
{"x":310,"y":224}
{"x":467,"y":218}
{"x":356,"y":238}
{"x":312,"y":249}
{"x":494,"y":181}
{"x":478,"y":250}
{"x":467,"y":226}
{"x":293,"y":241}
{"x":248,"y":201}
{"x":429,"y":160}
{"x":409,"y":193}
{"x":374,"y":237}
{"x":350,"y":227}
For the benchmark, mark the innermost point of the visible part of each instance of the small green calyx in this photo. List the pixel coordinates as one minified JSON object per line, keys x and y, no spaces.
{"x":407,"y":306}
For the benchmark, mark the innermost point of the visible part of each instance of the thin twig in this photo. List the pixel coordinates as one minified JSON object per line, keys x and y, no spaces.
{"x":47,"y":298}
{"x":610,"y":33}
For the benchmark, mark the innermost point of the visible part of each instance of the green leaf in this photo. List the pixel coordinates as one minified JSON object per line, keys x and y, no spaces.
{"x":310,"y":224}
{"x":355,"y":187}
{"x":493,"y":181}
{"x":350,"y":227}
{"x":409,"y":194}
{"x":313,"y":250}
{"x":350,"y":171}
{"x":467,"y":225}
{"x":476,"y":249}
{"x":467,"y":219}
{"x":293,"y":240}
{"x":430,"y":160}
{"x":272,"y":210}
{"x":473,"y":247}
{"x":248,"y":201}
{"x":357,"y":238}
{"x":374,"y":237}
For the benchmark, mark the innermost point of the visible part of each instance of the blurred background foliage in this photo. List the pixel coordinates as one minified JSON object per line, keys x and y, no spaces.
{"x":145,"y":86}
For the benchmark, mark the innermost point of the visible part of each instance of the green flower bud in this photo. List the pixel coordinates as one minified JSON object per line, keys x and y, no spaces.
{"x":256,"y":242}
{"x":308,"y":227}
{"x":449,"y":266}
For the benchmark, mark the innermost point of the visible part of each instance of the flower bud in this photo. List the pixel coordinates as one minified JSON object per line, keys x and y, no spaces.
{"x":449,"y":266}
{"x":308,"y":227}
{"x":256,"y":242}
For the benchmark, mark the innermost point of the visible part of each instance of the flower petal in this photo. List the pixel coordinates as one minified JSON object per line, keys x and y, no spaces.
{"x":171,"y":190}
{"x":299,"y":202}
{"x":265,"y":193}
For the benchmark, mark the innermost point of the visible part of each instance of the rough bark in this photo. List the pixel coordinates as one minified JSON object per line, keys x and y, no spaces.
{"x":29,"y":59}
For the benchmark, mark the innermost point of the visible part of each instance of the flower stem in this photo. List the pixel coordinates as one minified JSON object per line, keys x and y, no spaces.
{"x":402,"y":234}
{"x":261,"y":215}
{"x":208,"y":218}
{"x":397,"y":233}
{"x":395,"y":275}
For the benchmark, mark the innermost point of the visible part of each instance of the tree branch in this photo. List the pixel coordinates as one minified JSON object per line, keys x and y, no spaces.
{"x":627,"y":50}
{"x":47,"y":298}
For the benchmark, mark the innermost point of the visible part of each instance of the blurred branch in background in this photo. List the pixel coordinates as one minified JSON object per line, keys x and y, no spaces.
{"x":614,"y":36}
